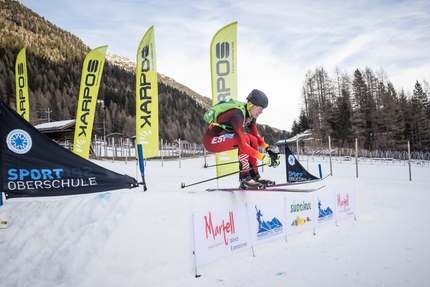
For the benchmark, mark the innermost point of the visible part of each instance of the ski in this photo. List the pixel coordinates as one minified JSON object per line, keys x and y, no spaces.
{"x":297,"y":182}
{"x":267,"y":189}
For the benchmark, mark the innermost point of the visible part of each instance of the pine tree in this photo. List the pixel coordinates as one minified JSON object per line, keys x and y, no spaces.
{"x":359,"y":104}
{"x":420,"y":132}
{"x":303,"y":121}
{"x":340,"y":119}
{"x":295,"y":129}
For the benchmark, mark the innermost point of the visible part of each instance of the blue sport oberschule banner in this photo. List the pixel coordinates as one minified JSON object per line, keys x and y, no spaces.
{"x":33,"y":165}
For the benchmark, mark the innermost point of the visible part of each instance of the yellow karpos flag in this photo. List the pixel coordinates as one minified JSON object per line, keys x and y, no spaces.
{"x":21,"y":84}
{"x":223,"y":57}
{"x":92,"y":71}
{"x":147,"y":96}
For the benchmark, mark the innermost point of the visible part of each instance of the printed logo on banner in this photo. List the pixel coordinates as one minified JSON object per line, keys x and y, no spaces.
{"x":19,"y":141}
{"x":143,"y":134}
{"x":219,"y":233}
{"x":300,"y":221}
{"x":324,"y":214}
{"x":80,"y":144}
{"x":299,"y":207}
{"x":343,"y":203}
{"x":267,"y":229}
{"x":291,"y":160}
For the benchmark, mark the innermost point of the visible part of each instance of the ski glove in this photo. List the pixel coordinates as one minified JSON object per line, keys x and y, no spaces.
{"x":272,"y":154}
{"x":269,"y":161}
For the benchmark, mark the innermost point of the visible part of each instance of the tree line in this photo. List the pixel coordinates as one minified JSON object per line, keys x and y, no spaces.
{"x":54,"y":65}
{"x":364,"y":106}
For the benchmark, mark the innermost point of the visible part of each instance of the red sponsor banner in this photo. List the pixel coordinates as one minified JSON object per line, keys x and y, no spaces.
{"x":345,"y":204}
{"x":220,"y":232}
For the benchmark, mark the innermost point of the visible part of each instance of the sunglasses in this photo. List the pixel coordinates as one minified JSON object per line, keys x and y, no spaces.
{"x":259,"y":108}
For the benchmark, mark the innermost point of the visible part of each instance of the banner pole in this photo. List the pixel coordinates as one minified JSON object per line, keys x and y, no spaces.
{"x":329,"y":150}
{"x":356,"y":157}
{"x":204,"y":155}
{"x":249,"y":228}
{"x":141,"y":165}
{"x":194,"y":246}
{"x":409,"y":161}
{"x":286,"y":158}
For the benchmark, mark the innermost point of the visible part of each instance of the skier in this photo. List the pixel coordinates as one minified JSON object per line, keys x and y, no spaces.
{"x":226,"y":132}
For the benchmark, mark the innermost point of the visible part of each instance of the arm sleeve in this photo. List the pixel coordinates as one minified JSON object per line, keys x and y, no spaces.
{"x":237,"y":124}
{"x":254,"y":131}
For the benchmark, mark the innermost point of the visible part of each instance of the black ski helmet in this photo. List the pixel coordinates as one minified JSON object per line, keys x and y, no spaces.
{"x":258,"y":98}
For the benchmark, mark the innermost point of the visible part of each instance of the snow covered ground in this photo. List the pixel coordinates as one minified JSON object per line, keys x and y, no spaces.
{"x":134,"y":238}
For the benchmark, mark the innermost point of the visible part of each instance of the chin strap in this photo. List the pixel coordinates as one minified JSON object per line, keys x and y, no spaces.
{"x":248,"y":107}
{"x":250,"y":118}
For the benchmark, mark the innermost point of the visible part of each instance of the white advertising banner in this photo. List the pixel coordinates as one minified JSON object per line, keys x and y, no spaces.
{"x":324,"y":208}
{"x":220,"y":232}
{"x":345,"y":204}
{"x":266,"y":220}
{"x":300,"y":213}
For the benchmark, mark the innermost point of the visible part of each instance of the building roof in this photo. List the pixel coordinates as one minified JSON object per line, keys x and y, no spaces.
{"x":55,"y":126}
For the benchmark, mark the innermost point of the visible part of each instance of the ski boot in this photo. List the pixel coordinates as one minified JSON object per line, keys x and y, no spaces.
{"x":265,"y":182}
{"x":249,"y":183}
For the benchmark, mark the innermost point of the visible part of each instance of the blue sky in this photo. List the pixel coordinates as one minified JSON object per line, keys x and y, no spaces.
{"x":278,"y":40}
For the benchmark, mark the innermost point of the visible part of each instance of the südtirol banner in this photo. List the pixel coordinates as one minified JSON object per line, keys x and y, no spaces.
{"x":147,"y":96}
{"x":92,"y":71}
{"x":223,"y":58}
{"x":300,"y":213}
{"x":21,"y":84}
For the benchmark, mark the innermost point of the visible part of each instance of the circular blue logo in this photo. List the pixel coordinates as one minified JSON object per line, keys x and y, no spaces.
{"x":19,"y":141}
{"x":291,"y":159}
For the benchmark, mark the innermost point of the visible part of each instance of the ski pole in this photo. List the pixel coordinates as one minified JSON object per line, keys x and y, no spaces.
{"x":183,"y":185}
{"x":225,"y":163}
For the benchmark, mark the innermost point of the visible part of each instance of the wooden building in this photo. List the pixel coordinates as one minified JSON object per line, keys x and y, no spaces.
{"x":61,"y":131}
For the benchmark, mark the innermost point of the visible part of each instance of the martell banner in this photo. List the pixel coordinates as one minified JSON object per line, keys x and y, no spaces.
{"x":21,"y":85}
{"x":220,"y":232}
{"x":345,"y":204}
{"x":92,"y":71}
{"x":32,"y":165}
{"x":147,"y":96}
{"x":223,"y":58}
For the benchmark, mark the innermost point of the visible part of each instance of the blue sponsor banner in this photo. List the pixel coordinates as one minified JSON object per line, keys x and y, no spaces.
{"x":324,"y":207}
{"x":295,"y":171}
{"x":33,"y":165}
{"x":266,"y":220}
